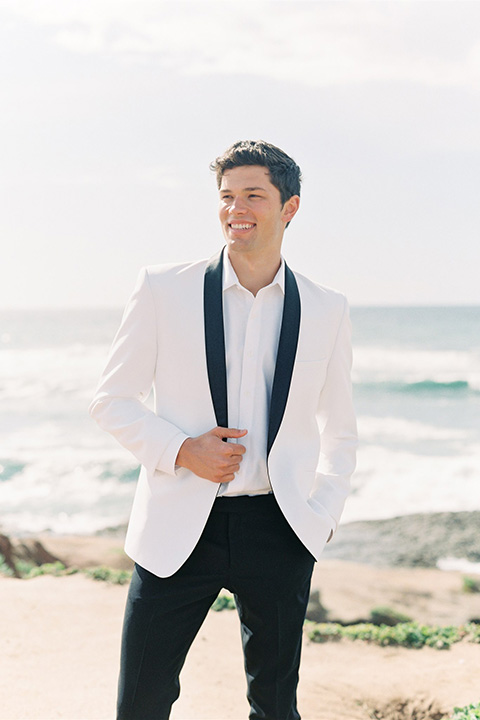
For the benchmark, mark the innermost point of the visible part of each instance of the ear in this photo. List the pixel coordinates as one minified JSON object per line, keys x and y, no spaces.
{"x":290,"y":208}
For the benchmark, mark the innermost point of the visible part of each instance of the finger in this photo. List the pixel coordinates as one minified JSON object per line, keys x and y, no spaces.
{"x":236,"y":459}
{"x":232,"y":449}
{"x":228,"y":478}
{"x":238,"y":449}
{"x":222,"y":432}
{"x":229,"y":460}
{"x":229,"y":463}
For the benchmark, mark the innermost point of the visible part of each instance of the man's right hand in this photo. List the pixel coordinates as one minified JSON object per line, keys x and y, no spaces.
{"x":209,"y":457}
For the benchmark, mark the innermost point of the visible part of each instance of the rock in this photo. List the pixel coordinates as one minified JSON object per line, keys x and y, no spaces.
{"x":421,"y":709}
{"x":315,"y":610}
{"x":408,"y":541}
{"x":385,"y":615}
{"x":28,"y":550}
{"x":33,"y":551}
{"x":6,"y":550}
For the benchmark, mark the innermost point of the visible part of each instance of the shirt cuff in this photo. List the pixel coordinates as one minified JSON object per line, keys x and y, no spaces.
{"x":166,"y":463}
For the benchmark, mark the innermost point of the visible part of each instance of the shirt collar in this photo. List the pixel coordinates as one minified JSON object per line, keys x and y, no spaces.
{"x":230,"y":278}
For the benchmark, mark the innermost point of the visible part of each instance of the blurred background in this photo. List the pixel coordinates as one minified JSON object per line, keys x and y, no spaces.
{"x":111,"y":114}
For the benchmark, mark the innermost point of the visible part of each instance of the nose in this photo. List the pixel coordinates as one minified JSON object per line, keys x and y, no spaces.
{"x":237,"y":206}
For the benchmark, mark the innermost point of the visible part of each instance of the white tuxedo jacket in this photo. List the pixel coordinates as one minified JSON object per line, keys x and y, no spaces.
{"x":172,"y":336}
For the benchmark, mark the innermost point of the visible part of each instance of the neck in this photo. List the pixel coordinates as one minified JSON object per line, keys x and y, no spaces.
{"x":252,"y":274}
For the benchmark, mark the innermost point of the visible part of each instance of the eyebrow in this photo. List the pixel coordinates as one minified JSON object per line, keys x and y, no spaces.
{"x":248,"y":189}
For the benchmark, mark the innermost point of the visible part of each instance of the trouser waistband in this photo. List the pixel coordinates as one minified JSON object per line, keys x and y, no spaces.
{"x":243,"y":503}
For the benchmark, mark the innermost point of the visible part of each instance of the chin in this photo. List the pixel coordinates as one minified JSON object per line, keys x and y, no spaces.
{"x":238,"y":245}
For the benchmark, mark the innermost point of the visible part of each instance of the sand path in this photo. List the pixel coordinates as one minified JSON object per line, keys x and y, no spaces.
{"x":59,"y":659}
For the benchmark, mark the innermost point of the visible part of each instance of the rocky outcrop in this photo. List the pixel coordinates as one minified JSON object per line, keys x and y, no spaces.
{"x":6,"y":551}
{"x":29,"y":550}
{"x":315,"y":610}
{"x":409,"y":540}
{"x":33,"y":551}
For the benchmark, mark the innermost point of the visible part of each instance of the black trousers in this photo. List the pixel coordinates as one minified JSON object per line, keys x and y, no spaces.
{"x":247,"y":547}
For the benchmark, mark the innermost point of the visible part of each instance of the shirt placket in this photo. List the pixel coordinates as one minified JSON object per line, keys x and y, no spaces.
{"x":250,"y":364}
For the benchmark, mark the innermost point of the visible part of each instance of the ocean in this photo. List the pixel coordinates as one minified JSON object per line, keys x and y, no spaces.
{"x":417,"y":394}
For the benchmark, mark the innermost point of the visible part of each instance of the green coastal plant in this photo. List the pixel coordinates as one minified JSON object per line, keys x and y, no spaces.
{"x":57,"y":568}
{"x":223,"y":602}
{"x":469,"y":712}
{"x":5,"y":569}
{"x":28,"y":570}
{"x":117,"y":577}
{"x":470,"y":585}
{"x":410,"y":635}
{"x":385,"y":615}
{"x":323,"y":632}
{"x":24,"y":567}
{"x":473,"y":630}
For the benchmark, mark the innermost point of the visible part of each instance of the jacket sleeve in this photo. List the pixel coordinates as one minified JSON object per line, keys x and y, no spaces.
{"x":338,"y":429}
{"x":118,"y":405}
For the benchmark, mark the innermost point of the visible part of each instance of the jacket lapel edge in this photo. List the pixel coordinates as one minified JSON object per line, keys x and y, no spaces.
{"x":287,"y":350}
{"x":215,"y":337}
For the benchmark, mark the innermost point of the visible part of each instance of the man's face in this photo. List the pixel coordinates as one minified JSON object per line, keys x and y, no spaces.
{"x":251,"y":213}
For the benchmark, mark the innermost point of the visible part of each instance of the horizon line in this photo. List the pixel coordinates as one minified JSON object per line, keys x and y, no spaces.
{"x":120,"y":308}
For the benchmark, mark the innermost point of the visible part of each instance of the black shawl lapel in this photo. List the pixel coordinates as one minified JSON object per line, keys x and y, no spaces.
{"x":287,"y":350}
{"x":215,"y":346}
{"x":215,"y":338}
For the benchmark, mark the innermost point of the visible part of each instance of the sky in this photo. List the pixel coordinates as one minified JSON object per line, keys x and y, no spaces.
{"x":112,"y":111}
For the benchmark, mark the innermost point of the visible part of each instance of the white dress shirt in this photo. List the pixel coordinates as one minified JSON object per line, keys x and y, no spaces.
{"x":252,"y":330}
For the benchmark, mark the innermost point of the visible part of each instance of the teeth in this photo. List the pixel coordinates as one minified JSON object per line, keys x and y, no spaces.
{"x":241,"y":226}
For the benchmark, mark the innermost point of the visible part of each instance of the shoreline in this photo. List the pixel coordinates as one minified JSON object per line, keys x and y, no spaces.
{"x":390,"y":563}
{"x":415,"y":540}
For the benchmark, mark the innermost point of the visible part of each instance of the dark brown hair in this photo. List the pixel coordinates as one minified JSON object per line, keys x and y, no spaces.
{"x":284,"y":172}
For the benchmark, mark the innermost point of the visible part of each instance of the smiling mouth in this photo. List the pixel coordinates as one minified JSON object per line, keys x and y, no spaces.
{"x":241,"y":226}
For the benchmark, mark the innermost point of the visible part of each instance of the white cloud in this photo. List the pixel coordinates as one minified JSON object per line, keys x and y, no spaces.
{"x":315,"y":43}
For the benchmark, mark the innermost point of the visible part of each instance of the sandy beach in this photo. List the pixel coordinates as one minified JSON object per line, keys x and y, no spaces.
{"x":61,"y":636}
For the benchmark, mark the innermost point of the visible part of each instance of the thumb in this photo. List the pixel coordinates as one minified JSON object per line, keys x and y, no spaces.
{"x":229,"y":432}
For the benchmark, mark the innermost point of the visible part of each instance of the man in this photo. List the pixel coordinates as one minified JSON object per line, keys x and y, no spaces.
{"x":238,"y":349}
